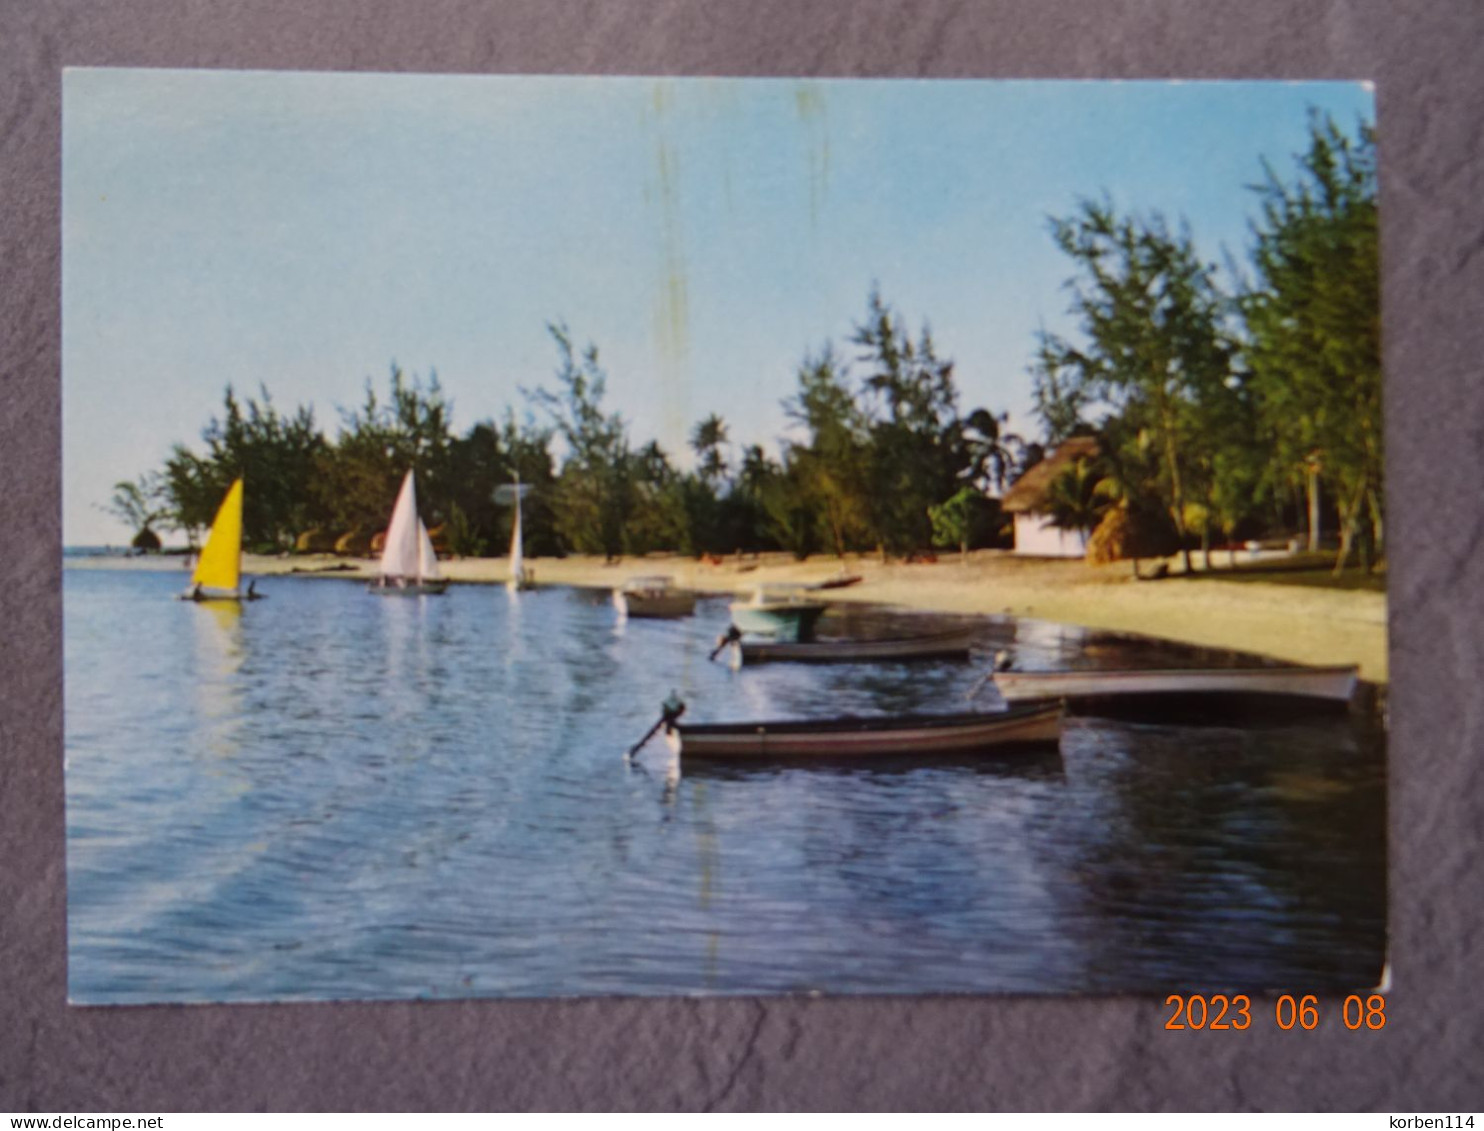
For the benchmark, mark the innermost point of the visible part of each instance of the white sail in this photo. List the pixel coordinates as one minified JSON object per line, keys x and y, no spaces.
{"x":427,"y":562}
{"x":517,"y":550}
{"x":508,"y":494}
{"x":400,"y":556}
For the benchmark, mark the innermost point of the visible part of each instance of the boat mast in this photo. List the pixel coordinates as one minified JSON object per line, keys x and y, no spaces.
{"x":517,"y":547}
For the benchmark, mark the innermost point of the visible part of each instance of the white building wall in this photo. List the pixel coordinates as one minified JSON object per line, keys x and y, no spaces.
{"x":1036,"y":537}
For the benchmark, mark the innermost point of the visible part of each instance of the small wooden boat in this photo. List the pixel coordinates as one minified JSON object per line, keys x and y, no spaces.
{"x":779,"y":611}
{"x":656,"y":596}
{"x":951,"y":645}
{"x":905,"y":736}
{"x":841,"y":580}
{"x":409,"y":566}
{"x":1333,"y":684}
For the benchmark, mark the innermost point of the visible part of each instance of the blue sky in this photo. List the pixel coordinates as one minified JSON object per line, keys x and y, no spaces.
{"x":304,"y":231}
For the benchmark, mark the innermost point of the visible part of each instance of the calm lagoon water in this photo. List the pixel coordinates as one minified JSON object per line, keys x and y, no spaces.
{"x":334,"y":795}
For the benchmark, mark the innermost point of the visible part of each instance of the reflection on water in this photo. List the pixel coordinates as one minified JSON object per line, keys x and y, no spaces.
{"x":332,"y":795}
{"x":216,"y":690}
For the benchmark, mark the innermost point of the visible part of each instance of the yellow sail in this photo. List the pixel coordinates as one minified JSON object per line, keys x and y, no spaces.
{"x":220,"y":566}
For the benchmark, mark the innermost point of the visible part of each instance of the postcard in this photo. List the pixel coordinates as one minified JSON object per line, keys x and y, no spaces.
{"x":562,"y":536}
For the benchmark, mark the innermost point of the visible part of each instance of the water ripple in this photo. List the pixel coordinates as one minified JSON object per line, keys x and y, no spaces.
{"x":330,"y":795}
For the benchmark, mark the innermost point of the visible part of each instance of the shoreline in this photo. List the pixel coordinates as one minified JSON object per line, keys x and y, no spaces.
{"x":1299,"y":624}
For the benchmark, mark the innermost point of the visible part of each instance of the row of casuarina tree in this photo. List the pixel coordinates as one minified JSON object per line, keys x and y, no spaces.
{"x":1221,"y":412}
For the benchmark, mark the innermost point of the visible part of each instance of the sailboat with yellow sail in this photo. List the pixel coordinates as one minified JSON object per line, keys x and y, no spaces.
{"x":218,"y":575}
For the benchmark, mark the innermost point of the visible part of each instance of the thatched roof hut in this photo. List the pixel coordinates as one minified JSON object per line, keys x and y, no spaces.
{"x":357,"y":544}
{"x":315,"y":541}
{"x":1128,"y":535}
{"x":1035,"y":533}
{"x":1027,"y":495}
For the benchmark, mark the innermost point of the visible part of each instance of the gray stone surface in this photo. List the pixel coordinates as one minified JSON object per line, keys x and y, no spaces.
{"x":918,"y":1053}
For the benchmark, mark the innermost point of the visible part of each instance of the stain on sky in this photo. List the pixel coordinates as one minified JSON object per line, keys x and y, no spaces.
{"x":671,"y":302}
{"x":666,"y":193}
{"x":809,"y":102}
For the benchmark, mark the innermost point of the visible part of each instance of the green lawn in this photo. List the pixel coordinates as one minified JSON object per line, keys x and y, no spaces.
{"x":1315,"y":570}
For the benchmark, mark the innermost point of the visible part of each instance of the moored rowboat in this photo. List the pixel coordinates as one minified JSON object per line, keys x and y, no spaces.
{"x":907,"y":736}
{"x":653,"y":597}
{"x":954,"y":644}
{"x":1335,"y":684}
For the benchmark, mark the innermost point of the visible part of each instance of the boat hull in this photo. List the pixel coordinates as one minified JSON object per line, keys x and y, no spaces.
{"x":940,"y":646}
{"x":918,"y":736}
{"x":842,"y":582}
{"x":792,"y":621}
{"x":1332,"y":684}
{"x":411,"y":589}
{"x":664,"y":606}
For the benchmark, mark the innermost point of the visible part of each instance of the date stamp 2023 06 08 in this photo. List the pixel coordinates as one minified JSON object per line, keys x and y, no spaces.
{"x":1220,"y":1011}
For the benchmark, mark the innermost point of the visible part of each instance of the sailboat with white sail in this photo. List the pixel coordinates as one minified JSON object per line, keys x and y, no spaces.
{"x":520,"y":577}
{"x":218,"y":573}
{"x":409,"y":565}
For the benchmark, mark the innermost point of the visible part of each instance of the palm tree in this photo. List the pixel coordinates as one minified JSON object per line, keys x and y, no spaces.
{"x":1078,"y":498}
{"x":990,"y":450}
{"x":140,"y":504}
{"x":707,"y":440}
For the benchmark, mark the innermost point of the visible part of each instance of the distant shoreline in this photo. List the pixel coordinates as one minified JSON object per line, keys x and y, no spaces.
{"x":1285,"y":622}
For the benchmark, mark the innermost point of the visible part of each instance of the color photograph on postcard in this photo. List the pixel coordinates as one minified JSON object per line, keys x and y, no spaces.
{"x":536,"y":536}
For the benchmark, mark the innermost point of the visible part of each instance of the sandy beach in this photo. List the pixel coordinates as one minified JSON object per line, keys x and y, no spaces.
{"x":1300,"y":624}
